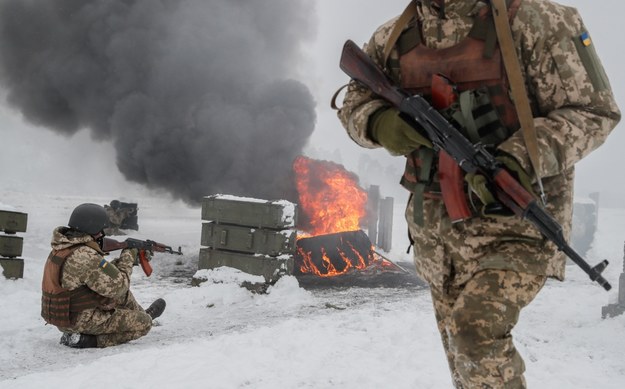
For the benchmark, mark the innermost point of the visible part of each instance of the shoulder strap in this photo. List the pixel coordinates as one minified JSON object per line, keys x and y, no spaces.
{"x":517,"y":84}
{"x":58,"y":257}
{"x":409,"y":13}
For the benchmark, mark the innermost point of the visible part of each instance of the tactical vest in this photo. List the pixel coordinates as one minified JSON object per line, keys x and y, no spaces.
{"x":483,"y":111}
{"x":60,"y":306}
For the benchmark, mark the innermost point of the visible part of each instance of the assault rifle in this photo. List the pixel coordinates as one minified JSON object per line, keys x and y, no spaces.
{"x":471,"y":158}
{"x":143,"y":246}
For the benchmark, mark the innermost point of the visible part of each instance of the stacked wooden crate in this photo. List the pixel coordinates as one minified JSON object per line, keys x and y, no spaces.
{"x":11,"y":245}
{"x":252,"y":235}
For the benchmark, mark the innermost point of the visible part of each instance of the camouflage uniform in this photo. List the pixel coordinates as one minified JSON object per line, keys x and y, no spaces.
{"x":116,"y":218}
{"x":484,"y":270}
{"x":125,"y":319}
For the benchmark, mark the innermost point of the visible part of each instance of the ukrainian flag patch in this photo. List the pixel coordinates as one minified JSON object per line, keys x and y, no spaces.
{"x":108,"y":269}
{"x":585,"y":38}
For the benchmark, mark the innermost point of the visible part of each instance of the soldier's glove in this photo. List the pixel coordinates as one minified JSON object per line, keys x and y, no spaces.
{"x":388,"y":129}
{"x":134,"y":253}
{"x":479,"y":185}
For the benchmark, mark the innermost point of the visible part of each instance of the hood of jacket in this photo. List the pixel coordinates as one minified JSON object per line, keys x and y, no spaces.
{"x":64,"y":237}
{"x":450,"y":9}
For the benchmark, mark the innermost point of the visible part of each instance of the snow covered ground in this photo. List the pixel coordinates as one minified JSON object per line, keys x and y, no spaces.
{"x":219,"y":335}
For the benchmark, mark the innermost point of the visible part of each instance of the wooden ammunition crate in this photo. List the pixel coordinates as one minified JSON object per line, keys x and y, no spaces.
{"x":271,"y":268}
{"x":248,"y":240}
{"x":12,"y":267}
{"x":12,"y":222}
{"x":277,"y":215}
{"x":11,"y":246}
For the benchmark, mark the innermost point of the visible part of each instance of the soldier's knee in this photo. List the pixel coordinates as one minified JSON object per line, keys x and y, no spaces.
{"x":463,"y":338}
{"x":138,"y":323}
{"x":469,"y":331}
{"x":144,"y":323}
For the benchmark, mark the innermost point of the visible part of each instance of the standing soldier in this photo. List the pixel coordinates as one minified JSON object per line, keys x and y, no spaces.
{"x":85,"y":296}
{"x":483,"y":270}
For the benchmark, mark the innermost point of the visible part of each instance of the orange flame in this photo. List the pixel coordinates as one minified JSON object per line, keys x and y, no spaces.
{"x":331,"y":202}
{"x":329,"y":196}
{"x":328,"y":268}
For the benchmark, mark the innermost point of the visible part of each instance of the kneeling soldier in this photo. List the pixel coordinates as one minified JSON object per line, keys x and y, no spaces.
{"x":85,"y":296}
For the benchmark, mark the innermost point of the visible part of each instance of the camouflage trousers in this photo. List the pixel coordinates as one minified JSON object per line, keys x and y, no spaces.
{"x":128,"y":321}
{"x":481,"y":273}
{"x":475,"y":321}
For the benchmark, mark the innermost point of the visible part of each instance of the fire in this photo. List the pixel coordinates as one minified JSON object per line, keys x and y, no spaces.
{"x":332,"y":208}
{"x":331,"y":201}
{"x":334,"y":254}
{"x":329,"y":196}
{"x":328,"y":265}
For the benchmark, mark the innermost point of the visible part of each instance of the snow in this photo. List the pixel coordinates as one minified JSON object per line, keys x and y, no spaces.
{"x":6,"y":207}
{"x":220,"y":335}
{"x":238,"y":198}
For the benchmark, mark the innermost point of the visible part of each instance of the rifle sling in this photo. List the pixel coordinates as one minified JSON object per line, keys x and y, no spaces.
{"x":409,"y":13}
{"x":517,"y":86}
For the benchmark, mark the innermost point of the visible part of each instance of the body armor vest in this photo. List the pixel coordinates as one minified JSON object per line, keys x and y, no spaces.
{"x":60,"y":306}
{"x":483,"y":110}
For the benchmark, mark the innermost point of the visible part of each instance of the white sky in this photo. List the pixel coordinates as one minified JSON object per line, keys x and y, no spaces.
{"x":31,"y":158}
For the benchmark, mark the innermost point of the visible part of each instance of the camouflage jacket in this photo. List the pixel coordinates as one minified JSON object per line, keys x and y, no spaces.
{"x":568,"y":88}
{"x":86,"y":266}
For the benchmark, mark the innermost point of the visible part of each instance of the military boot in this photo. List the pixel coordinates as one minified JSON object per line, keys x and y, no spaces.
{"x":156,"y":308}
{"x":76,"y":340}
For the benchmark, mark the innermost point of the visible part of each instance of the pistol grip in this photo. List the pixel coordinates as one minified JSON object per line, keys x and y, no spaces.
{"x":145,"y":264}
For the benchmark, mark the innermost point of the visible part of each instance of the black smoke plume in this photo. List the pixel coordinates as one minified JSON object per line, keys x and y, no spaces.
{"x":198,"y":96}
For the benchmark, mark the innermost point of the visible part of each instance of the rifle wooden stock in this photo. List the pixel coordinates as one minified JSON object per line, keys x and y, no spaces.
{"x":471,"y":158}
{"x":109,"y":245}
{"x":357,"y":64}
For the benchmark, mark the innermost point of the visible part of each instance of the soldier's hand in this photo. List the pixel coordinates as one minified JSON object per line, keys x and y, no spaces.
{"x":479,"y":185}
{"x":134,"y":253}
{"x":517,"y":171}
{"x":137,"y":254}
{"x":393,"y":133}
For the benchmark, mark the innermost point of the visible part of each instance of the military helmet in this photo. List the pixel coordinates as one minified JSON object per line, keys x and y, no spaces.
{"x":89,"y":218}
{"x":115,"y":204}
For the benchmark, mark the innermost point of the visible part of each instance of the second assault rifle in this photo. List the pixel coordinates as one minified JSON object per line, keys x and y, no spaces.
{"x":143,"y":246}
{"x":472,"y":158}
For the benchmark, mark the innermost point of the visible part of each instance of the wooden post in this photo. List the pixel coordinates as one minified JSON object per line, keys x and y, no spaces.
{"x":385,"y":233}
{"x":372,"y":213}
{"x":621,"y":283}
